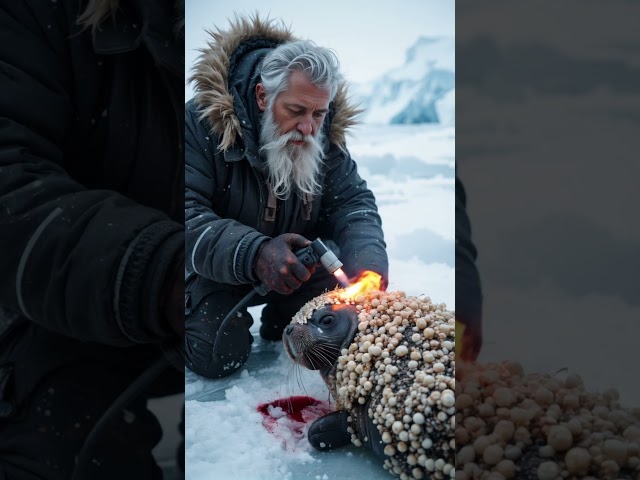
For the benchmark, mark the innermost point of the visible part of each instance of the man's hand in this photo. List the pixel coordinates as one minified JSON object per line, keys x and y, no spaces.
{"x":277,"y":267}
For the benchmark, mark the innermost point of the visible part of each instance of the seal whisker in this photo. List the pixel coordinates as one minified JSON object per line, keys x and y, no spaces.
{"x":330,"y":353}
{"x":309,"y":357}
{"x":300,"y":347}
{"x":313,"y":353}
{"x":301,"y":382}
{"x":291,"y":374}
{"x":297,"y":370}
{"x":326,"y":359}
{"x":327,"y":343}
{"x":291,"y":378}
{"x":306,"y":346}
{"x":327,"y":348}
{"x":322,"y":356}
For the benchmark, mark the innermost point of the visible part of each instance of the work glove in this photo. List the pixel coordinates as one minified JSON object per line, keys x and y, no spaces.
{"x":277,"y":267}
{"x":330,"y":431}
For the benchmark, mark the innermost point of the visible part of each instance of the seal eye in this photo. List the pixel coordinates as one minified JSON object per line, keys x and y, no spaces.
{"x":326,"y":320}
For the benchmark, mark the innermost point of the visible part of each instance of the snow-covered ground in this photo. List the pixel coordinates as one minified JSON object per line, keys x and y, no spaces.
{"x":410,"y":169}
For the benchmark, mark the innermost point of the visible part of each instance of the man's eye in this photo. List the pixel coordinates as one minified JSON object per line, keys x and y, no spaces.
{"x":318,"y":114}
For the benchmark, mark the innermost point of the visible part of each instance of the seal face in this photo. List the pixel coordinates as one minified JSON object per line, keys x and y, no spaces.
{"x":316,"y":344}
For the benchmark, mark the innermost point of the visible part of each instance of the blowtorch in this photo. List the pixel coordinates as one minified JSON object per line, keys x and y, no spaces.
{"x":315,"y":254}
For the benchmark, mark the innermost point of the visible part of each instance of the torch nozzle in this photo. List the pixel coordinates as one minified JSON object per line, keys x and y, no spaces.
{"x":317,"y":253}
{"x":342,"y":278}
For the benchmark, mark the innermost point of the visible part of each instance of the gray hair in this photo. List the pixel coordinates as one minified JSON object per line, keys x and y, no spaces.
{"x":319,"y":64}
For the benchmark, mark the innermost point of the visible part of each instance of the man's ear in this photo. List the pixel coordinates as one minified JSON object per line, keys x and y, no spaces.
{"x":261,"y":96}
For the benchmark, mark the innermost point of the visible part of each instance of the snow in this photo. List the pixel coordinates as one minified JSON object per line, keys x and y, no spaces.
{"x":427,"y":54}
{"x":418,"y":91}
{"x":410,"y":169}
{"x":391,"y":103}
{"x":446,"y":108}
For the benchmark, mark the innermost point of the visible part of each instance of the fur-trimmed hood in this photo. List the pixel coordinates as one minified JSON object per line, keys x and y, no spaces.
{"x":210,"y":78}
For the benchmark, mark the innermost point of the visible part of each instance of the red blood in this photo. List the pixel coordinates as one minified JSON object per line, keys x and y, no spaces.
{"x":292,"y":406}
{"x":299,"y":411}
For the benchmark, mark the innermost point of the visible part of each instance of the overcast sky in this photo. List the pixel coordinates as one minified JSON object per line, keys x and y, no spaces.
{"x":369,"y":38}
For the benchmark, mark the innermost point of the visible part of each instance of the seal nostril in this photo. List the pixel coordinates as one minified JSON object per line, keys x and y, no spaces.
{"x":288,"y":329}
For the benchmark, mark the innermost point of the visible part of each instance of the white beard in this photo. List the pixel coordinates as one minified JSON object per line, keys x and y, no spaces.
{"x":290,"y":165}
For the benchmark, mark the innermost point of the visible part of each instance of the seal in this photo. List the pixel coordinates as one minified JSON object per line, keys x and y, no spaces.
{"x":316,"y":344}
{"x":388,"y":360}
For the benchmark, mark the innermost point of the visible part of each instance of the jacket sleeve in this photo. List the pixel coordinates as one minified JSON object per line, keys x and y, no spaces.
{"x":89,"y":264}
{"x":216,"y":248}
{"x":350,"y":214}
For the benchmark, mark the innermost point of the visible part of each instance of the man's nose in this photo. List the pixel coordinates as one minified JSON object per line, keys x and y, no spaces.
{"x":304,"y":127}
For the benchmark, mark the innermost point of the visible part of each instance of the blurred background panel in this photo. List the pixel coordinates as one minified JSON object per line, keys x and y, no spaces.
{"x":548,"y":98}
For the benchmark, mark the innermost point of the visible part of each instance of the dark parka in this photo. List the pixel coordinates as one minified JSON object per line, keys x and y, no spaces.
{"x":91,"y":173}
{"x":229,"y":210}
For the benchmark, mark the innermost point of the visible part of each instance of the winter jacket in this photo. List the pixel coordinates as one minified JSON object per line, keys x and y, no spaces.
{"x":229,"y":208}
{"x":91,"y":168}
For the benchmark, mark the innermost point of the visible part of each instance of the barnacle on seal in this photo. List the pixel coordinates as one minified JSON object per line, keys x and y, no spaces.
{"x":400,"y":366}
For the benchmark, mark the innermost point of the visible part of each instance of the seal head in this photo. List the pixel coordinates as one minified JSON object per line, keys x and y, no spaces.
{"x":317,"y":344}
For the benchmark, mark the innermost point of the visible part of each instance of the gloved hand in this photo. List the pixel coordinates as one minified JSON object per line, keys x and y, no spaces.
{"x":277,"y":267}
{"x":330,"y":431}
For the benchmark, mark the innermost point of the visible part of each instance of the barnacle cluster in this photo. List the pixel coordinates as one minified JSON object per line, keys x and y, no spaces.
{"x":327,"y":298}
{"x":515,"y":425}
{"x":401,"y":368}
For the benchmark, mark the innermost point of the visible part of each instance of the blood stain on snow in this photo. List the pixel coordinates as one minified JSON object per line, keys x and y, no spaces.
{"x":292,"y":414}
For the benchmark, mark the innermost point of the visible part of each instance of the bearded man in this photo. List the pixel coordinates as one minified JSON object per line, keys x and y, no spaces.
{"x":267,"y":171}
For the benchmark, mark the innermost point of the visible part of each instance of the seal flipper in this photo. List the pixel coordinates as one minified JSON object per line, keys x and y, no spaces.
{"x":330,"y":431}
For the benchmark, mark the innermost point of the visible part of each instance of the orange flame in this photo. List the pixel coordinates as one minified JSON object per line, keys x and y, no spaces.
{"x":367,"y":282}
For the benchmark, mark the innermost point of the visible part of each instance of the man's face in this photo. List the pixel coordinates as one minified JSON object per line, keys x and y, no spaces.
{"x":291,"y":136}
{"x":301,"y":107}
